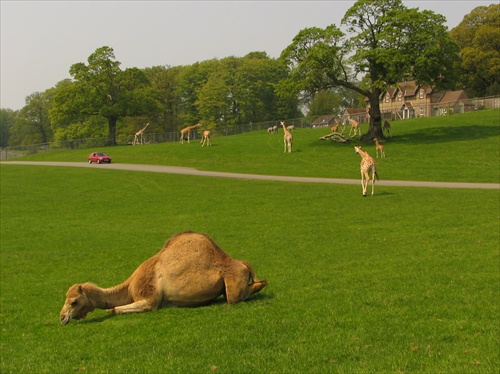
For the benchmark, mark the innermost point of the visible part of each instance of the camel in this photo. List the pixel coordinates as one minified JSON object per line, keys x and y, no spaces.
{"x":190,"y":270}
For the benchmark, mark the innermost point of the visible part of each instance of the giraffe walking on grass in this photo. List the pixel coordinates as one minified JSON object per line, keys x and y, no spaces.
{"x":379,"y":148}
{"x":287,"y":138}
{"x":367,"y":165}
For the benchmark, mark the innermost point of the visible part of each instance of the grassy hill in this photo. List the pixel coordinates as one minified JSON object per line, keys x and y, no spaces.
{"x":459,"y":148}
{"x":406,"y":281}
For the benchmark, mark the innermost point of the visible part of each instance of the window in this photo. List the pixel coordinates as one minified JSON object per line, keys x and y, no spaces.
{"x":421,"y":111}
{"x":386,"y":98}
{"x":400,"y":96}
{"x":421,"y":95}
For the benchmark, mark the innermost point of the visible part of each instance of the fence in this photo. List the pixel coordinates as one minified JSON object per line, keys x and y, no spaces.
{"x":149,"y":138}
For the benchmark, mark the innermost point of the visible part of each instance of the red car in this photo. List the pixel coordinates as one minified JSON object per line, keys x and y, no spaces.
{"x":99,"y":157}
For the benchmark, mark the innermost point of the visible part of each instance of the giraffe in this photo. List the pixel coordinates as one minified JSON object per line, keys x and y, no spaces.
{"x":206,"y":138}
{"x":335,"y":128}
{"x":367,"y":165}
{"x":379,"y":148}
{"x":140,"y":135}
{"x":187,"y":130}
{"x":355,"y":127}
{"x":287,"y":138}
{"x":387,"y":127}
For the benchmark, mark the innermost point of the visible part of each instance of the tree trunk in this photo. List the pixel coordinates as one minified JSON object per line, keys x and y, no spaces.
{"x":112,"y":130}
{"x":375,"y":129}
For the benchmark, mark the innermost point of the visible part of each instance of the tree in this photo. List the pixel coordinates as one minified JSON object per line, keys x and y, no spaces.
{"x":191,"y":80}
{"x":384,"y":42}
{"x":164,"y":82}
{"x":7,"y":120}
{"x":32,"y":124}
{"x":233,"y":91}
{"x":478,"y":36}
{"x":333,"y":101}
{"x":101,"y":88}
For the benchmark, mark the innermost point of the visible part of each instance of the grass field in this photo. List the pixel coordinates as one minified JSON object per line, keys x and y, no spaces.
{"x":460,"y":148}
{"x":407,"y":281}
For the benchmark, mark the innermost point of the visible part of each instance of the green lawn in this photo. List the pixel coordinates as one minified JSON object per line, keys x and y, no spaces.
{"x":406,"y":281}
{"x":459,"y":148}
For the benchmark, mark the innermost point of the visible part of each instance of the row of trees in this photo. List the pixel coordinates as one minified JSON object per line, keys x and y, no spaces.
{"x":379,"y":43}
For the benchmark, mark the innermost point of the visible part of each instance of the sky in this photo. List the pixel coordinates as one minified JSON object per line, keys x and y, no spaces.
{"x":40,"y":39}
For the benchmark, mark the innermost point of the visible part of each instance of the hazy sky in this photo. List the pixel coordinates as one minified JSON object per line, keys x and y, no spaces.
{"x":40,"y":40}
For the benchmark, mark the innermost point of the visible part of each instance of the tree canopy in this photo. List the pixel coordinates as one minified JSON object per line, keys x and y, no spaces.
{"x":378,"y":43}
{"x":479,"y":38}
{"x":101,"y":88}
{"x":383,"y":42}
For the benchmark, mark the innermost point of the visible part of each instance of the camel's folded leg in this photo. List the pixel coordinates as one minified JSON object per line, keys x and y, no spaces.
{"x":137,"y":307}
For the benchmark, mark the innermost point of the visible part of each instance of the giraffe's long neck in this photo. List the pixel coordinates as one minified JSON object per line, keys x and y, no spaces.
{"x":107,"y":298}
{"x":287,"y":133}
{"x":362,"y":153}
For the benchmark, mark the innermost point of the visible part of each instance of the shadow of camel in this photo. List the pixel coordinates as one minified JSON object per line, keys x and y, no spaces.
{"x":219,"y":301}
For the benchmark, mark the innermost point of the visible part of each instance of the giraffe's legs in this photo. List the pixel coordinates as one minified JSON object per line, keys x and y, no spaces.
{"x":363,"y":184}
{"x":373,"y":180}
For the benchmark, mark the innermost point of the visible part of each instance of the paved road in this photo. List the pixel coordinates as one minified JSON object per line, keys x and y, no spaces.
{"x":192,"y":171}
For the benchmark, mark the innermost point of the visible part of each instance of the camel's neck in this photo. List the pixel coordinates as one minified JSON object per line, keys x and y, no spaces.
{"x":107,"y":298}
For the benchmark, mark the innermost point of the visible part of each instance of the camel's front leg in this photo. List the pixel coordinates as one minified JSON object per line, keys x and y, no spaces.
{"x":136,"y":307}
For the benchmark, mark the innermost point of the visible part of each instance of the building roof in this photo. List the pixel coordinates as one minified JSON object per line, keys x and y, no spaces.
{"x":408,"y":88}
{"x":451,"y":97}
{"x":324,"y":120}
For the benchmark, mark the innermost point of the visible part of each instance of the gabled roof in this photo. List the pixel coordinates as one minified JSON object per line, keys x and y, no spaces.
{"x":408,"y":88}
{"x":451,"y":97}
{"x":324,"y":120}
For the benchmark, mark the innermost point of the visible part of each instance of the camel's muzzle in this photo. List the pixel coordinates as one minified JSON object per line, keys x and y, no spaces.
{"x":65,"y":319}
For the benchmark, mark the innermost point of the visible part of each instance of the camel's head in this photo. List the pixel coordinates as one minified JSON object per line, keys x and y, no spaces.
{"x":76,"y":306}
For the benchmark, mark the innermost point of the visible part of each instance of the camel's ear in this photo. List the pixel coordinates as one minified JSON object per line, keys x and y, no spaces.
{"x":80,"y":289}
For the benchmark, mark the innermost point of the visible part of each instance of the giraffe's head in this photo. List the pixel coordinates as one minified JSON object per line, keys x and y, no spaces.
{"x":357,"y":148}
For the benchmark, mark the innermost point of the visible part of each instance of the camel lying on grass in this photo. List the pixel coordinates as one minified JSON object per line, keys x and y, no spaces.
{"x":190,"y":270}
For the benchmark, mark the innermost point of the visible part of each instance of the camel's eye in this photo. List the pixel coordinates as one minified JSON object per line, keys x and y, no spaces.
{"x":74,"y":303}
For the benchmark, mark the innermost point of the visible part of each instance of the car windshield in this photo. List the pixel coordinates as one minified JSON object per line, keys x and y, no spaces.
{"x":101,"y":154}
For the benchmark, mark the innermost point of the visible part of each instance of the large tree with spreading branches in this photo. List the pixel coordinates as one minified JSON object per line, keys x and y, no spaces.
{"x":101,"y":88}
{"x":381,"y":42}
